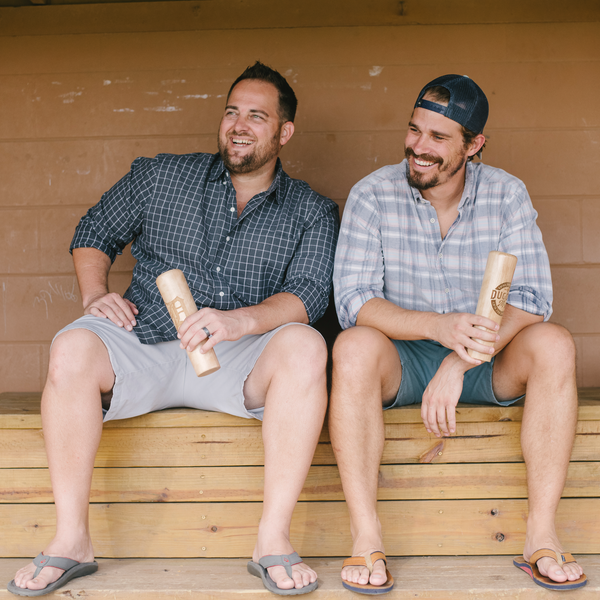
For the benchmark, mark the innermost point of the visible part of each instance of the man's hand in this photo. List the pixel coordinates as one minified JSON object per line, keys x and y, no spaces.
{"x":457,"y":332}
{"x":228,"y":325}
{"x":441,"y":396}
{"x":112,"y":306}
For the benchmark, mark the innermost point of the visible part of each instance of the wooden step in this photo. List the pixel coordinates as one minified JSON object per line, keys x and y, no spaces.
{"x":439,"y":578}
{"x":185,"y":483}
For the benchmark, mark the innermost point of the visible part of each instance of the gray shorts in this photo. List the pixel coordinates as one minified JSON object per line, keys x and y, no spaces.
{"x":151,"y":377}
{"x":420,"y":360}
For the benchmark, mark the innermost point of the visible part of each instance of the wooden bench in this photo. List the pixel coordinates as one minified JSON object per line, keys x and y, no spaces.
{"x":188,"y":484}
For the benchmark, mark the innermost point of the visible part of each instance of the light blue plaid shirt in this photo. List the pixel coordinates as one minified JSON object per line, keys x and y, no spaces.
{"x":390,"y":245}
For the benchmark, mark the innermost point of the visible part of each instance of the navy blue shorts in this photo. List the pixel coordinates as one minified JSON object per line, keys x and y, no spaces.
{"x":420,"y":361}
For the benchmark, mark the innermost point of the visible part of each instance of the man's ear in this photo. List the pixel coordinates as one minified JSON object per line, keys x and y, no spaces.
{"x":476,"y":145}
{"x":287,"y":131}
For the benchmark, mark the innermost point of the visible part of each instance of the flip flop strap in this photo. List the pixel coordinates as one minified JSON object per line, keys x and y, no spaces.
{"x":281,"y":560}
{"x":361,"y":561}
{"x":41,"y":561}
{"x":560,"y":557}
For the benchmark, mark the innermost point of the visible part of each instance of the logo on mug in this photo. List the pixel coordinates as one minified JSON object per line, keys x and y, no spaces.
{"x":499,"y":297}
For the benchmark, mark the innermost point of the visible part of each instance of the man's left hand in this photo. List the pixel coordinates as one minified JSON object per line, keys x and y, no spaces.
{"x":228,"y":325}
{"x":438,"y":409}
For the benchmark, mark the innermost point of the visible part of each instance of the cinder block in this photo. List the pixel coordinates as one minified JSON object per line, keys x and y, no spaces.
{"x":20,"y":367}
{"x":560,"y":223}
{"x":576,"y":293}
{"x":591,"y":230}
{"x":552,"y":163}
{"x":591,"y":361}
{"x":77,"y":172}
{"x":19,"y":241}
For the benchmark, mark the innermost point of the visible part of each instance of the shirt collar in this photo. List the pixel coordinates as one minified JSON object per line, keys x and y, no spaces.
{"x":277,"y":189}
{"x":468,"y":192}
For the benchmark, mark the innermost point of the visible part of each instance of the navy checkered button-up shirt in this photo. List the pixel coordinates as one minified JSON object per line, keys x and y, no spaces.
{"x":181,"y":213}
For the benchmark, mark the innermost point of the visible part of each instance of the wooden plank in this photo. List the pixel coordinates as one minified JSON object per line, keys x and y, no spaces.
{"x":411,"y":528}
{"x":439,"y":578}
{"x":239,"y":446}
{"x":245,"y":484}
{"x":267,"y":14}
{"x":21,"y":410}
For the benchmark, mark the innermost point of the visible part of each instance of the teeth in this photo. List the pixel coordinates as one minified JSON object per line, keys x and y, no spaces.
{"x":423,"y":163}
{"x":243,"y":142}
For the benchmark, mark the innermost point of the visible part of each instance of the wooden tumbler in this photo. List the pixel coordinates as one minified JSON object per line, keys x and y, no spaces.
{"x":177,"y":296}
{"x":497,"y":278}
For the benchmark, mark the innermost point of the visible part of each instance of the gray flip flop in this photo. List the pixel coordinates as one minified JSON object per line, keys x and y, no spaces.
{"x":286,"y":561}
{"x":72,"y":569}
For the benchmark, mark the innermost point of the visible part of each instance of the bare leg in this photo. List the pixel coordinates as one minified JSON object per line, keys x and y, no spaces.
{"x":72,"y":421}
{"x":366,"y":373}
{"x":289,"y":380}
{"x":541,"y":361}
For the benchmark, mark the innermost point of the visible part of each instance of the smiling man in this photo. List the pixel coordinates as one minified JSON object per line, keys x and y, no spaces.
{"x":413,"y":247}
{"x":257,"y":250}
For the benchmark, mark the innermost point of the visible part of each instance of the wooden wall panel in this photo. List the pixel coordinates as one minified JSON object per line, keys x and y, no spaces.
{"x":88,"y":88}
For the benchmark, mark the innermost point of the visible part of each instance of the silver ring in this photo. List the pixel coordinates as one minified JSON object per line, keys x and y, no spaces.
{"x":207,"y":332}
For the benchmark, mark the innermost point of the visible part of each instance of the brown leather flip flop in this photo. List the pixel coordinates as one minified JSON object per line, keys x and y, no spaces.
{"x":562,"y":558}
{"x":368,"y":588}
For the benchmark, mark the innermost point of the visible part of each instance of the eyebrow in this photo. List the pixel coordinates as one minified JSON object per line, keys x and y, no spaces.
{"x":432,"y":132}
{"x":252,"y":110}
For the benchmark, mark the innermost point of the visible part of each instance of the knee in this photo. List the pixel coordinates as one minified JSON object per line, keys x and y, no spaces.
{"x":74,"y":353}
{"x":356,"y":350}
{"x":552,"y":346}
{"x":303,"y":350}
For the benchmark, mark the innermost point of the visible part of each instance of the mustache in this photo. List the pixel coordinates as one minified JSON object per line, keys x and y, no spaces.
{"x":408,"y":152}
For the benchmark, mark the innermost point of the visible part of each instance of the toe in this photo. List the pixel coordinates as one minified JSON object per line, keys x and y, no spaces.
{"x":379,"y":576}
{"x":281,"y":579}
{"x":573,"y":571}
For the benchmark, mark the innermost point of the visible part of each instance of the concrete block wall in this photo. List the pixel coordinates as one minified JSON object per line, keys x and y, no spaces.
{"x":84,"y":89}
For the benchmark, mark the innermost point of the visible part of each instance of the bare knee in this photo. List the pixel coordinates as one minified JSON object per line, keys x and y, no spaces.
{"x":551,"y":346}
{"x":79,"y":354}
{"x":302,"y":350}
{"x":363,"y":356}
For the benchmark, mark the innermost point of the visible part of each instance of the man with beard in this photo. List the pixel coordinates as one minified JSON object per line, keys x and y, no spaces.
{"x":257,"y":250}
{"x":409,"y":264}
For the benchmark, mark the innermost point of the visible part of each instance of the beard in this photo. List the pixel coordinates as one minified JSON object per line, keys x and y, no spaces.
{"x":423,"y":181}
{"x":259,"y":157}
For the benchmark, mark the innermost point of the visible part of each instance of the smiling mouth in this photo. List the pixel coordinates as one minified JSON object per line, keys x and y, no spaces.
{"x":241,"y":141}
{"x":423,"y":163}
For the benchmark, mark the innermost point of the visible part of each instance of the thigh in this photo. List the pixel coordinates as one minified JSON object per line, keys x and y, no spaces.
{"x":225,"y":390}
{"x":147,"y":377}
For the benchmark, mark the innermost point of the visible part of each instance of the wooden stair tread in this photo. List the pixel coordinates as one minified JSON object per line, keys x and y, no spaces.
{"x":442,"y":578}
{"x":21,"y":410}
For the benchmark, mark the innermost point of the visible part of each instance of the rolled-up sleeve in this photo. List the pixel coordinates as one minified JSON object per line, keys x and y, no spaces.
{"x":531,"y":288}
{"x":117,"y":219}
{"x":310,"y":271}
{"x":359,"y":267}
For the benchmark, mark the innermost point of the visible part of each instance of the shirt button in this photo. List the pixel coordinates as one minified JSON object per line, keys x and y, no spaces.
{"x":221,"y":293}
{"x":227,"y":238}
{"x":232,"y":209}
{"x":432,"y":220}
{"x":218,"y":269}
{"x":440,"y":255}
{"x":447,"y":291}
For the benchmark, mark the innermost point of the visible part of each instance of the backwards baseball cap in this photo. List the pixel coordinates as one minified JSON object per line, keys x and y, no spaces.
{"x":468,"y":105}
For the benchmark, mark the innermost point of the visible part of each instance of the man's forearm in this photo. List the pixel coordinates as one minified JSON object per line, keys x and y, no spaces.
{"x":396,"y":322}
{"x":92,"y":267}
{"x":271,"y":313}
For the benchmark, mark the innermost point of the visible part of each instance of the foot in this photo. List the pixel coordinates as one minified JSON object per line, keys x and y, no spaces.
{"x":361,"y":574}
{"x":81,"y":552}
{"x":302,"y":574}
{"x":364,"y":545}
{"x":548,"y":566}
